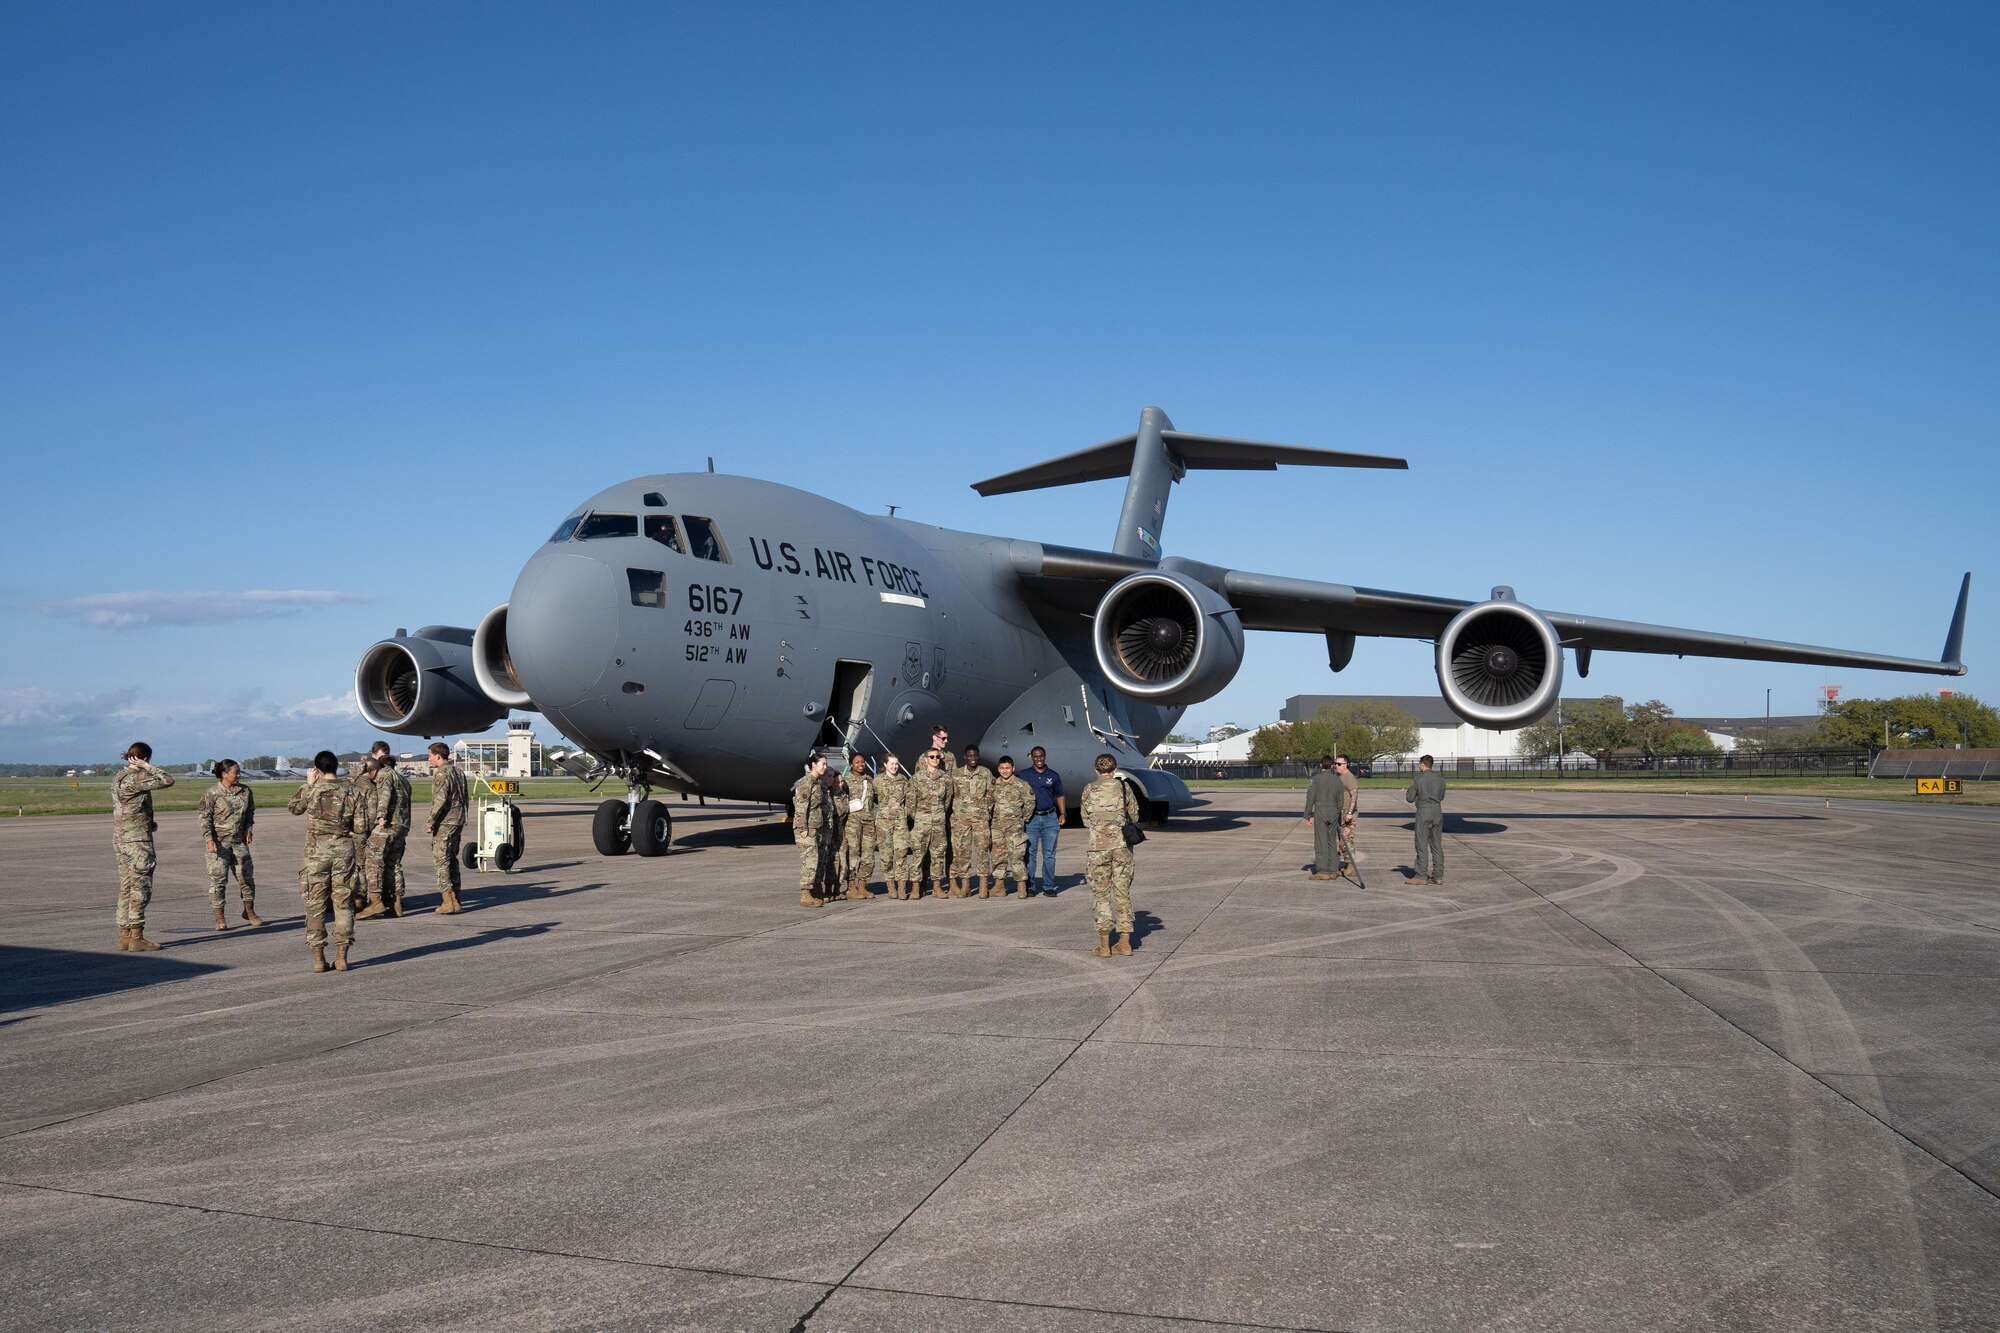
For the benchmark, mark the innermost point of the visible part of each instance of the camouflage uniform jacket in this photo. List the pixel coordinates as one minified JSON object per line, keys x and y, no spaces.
{"x":447,"y":799}
{"x":1013,"y":803}
{"x":930,"y":794}
{"x":856,"y":787}
{"x":331,"y":808}
{"x":389,"y":801}
{"x":892,"y":795}
{"x":132,"y":811}
{"x":972,"y":795}
{"x":812,"y":808}
{"x":227,"y":813}
{"x":1107,"y":803}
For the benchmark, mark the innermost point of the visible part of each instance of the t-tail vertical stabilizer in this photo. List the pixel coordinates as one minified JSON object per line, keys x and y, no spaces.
{"x":1155,"y":457}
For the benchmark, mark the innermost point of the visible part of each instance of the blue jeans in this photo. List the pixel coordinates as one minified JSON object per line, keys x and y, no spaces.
{"x":1042,"y":830}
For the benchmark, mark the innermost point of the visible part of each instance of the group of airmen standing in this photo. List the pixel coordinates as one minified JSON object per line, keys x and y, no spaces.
{"x":356,"y":828}
{"x":958,"y":829}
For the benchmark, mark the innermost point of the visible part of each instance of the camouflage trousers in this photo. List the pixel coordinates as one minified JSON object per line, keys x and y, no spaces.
{"x":1110,"y":875}
{"x":857,"y":849}
{"x":444,"y":856}
{"x":135,"y":879}
{"x":227,"y":857}
{"x":892,"y":842}
{"x":383,"y":865}
{"x":1010,"y":854}
{"x":808,"y":841}
{"x":927,"y":839}
{"x":971,"y":847}
{"x":327,"y":883}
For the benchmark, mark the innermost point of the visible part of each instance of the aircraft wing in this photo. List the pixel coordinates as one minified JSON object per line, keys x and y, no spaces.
{"x":1277,"y":602}
{"x":1266,"y":601}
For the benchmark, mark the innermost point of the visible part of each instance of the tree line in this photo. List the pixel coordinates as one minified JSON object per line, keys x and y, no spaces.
{"x":1367,"y":729}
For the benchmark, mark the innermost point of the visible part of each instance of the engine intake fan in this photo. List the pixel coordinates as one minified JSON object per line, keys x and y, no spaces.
{"x":424,"y":683}
{"x":1499,"y":664}
{"x":1162,"y":637}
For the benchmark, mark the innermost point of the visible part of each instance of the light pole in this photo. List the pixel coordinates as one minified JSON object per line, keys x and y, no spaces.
{"x":1767,"y":719}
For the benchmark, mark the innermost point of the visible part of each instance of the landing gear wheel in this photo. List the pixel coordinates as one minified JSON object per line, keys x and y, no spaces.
{"x":504,"y":856}
{"x":468,"y":856}
{"x":607,"y":829}
{"x":652,"y":828}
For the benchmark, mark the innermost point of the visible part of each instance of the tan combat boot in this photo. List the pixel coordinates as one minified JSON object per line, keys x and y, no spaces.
{"x":319,"y":957}
{"x":1020,"y":890}
{"x":250,"y":915}
{"x":806,"y":898}
{"x":221,"y":921}
{"x":375,"y":907}
{"x":1124,"y":945}
{"x":340,"y":956}
{"x":450,"y":903}
{"x":391,"y":906}
{"x":983,"y":885}
{"x":124,"y":938}
{"x":1103,"y":949}
{"x":140,"y":944}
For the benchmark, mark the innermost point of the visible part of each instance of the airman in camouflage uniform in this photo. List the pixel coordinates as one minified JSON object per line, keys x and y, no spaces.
{"x":447,"y":823}
{"x":361,"y":777}
{"x":1013,"y":804}
{"x":930,"y":814}
{"x":331,"y":807}
{"x":971,"y":825}
{"x":388,"y":816}
{"x":227,"y":812}
{"x":812,"y":820}
{"x":132,"y":840}
{"x":1106,"y":805}
{"x":892,"y":824}
{"x":857,"y":829}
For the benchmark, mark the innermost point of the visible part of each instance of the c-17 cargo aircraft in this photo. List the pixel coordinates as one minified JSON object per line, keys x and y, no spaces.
{"x":702,"y":633}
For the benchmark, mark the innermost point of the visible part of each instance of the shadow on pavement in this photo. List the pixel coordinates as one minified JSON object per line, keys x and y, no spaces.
{"x":31,"y":977}
{"x":452,"y":945}
{"x":501,"y":895}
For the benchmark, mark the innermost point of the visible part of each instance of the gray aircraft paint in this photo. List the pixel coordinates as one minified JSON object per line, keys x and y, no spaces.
{"x":725,"y":683}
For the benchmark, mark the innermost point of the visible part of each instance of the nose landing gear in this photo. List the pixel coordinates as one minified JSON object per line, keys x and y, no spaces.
{"x":639,"y":823}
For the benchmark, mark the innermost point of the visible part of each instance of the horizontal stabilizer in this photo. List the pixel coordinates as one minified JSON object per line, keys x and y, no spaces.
{"x":1188,"y":451}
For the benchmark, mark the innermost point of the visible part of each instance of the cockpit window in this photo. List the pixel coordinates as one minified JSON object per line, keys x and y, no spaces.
{"x":607,"y":525}
{"x":567,"y":530}
{"x":649,"y":587}
{"x":704,"y":542}
{"x":661,"y":528}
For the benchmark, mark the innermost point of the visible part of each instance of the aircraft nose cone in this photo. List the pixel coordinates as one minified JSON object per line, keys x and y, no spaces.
{"x":562,"y":625}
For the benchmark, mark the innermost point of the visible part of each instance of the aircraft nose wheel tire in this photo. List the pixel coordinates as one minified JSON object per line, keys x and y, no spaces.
{"x":608,"y":830}
{"x":652,"y":828}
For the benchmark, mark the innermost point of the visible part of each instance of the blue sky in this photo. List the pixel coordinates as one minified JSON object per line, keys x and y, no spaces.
{"x":1688,"y":314}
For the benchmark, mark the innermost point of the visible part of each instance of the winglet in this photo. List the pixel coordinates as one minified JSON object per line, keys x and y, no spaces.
{"x":1954,"y":638}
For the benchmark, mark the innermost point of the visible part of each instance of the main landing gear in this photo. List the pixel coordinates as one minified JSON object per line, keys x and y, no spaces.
{"x":638,"y":823}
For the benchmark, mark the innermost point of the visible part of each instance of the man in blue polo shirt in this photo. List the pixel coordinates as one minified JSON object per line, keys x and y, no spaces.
{"x":1050,"y":811}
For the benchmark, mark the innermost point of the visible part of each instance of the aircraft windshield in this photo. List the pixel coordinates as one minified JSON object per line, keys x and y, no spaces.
{"x":567,"y":530}
{"x":662,"y":529}
{"x":607,"y":525}
{"x":704,"y":542}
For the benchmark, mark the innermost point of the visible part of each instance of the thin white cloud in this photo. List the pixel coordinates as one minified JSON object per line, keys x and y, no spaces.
{"x":146,"y":610}
{"x":38,"y":725}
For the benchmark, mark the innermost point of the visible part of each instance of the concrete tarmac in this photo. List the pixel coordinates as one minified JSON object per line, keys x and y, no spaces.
{"x":1643,"y":1061}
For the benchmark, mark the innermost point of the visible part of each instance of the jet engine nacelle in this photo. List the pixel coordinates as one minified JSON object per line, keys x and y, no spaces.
{"x":493,"y":665}
{"x":1162,"y":637}
{"x":1499,"y":664}
{"x":424,"y":683}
